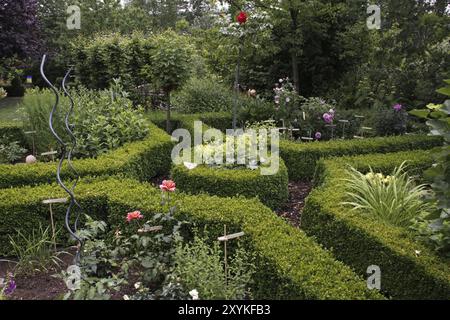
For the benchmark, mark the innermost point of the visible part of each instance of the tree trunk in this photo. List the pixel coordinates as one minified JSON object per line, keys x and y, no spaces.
{"x":236,"y":88}
{"x":294,"y":60}
{"x":168,"y":125}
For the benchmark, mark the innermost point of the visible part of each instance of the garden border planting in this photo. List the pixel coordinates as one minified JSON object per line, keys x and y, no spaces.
{"x":14,"y":132}
{"x":142,"y":160}
{"x":270,"y":190}
{"x":408,"y":269}
{"x":301,"y":158}
{"x":290,"y":265}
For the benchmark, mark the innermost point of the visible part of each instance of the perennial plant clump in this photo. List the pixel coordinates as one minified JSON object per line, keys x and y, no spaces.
{"x":394,"y":199}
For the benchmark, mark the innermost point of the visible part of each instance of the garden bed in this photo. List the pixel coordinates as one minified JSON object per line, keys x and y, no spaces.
{"x":290,"y":265}
{"x":142,"y":160}
{"x":409,"y":269}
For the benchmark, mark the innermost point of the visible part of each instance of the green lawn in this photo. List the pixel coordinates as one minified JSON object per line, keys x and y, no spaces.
{"x":8,"y":109}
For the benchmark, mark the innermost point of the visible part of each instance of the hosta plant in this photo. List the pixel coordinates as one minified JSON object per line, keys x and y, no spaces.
{"x":394,"y":199}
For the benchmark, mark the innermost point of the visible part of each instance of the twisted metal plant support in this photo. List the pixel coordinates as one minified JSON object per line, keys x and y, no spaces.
{"x":73,"y":202}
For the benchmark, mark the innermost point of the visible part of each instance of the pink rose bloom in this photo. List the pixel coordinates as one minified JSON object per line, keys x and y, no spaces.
{"x":318,"y":135}
{"x":168,"y":186}
{"x":136,"y":215}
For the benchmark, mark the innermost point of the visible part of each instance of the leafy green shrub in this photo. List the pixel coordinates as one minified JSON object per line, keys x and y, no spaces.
{"x":103,"y":120}
{"x":435,"y":230}
{"x":394,"y":199}
{"x":391,"y":122}
{"x":10,"y":151}
{"x":409,"y":269}
{"x":201,"y":268}
{"x":200,"y":95}
{"x":16,"y":89}
{"x":255,"y":110}
{"x":289,"y":265}
{"x":301,"y":158}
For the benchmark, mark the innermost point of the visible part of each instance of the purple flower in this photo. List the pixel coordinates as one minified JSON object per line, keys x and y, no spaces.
{"x":318,"y":135}
{"x":328,"y":118}
{"x":10,"y":288}
{"x":398,"y":107}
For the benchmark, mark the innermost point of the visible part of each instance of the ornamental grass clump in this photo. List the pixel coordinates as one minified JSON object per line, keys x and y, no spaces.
{"x":394,"y":199}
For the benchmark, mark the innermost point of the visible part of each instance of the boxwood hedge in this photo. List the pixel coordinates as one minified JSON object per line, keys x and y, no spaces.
{"x":290,"y":265}
{"x":301,"y":158}
{"x":408,"y":269}
{"x":271,"y":190}
{"x":142,"y":160}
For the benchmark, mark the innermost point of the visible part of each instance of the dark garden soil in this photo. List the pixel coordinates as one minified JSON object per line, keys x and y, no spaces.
{"x":47,"y":286}
{"x":298,"y":192}
{"x":42,"y":285}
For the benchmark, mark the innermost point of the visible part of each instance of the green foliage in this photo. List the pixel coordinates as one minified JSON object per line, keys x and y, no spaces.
{"x":301,"y":158}
{"x":203,"y":95}
{"x":137,"y":251}
{"x":272,"y":190}
{"x":409,"y":269}
{"x":394,"y":199}
{"x":103,"y":120}
{"x":277,"y":245}
{"x":16,"y":89}
{"x":171,"y":61}
{"x":34,"y":251}
{"x":35,"y":109}
{"x":201,"y":268}
{"x":391,"y":122}
{"x":142,"y":160}
{"x":255,"y":110}
{"x":436,"y":230}
{"x":10,"y":151}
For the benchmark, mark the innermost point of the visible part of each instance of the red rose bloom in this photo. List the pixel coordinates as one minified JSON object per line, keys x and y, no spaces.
{"x":241,"y":17}
{"x":136,"y":215}
{"x":168,"y":185}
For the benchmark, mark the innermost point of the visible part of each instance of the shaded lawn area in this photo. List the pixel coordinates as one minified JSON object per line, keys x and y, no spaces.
{"x":8,"y":110}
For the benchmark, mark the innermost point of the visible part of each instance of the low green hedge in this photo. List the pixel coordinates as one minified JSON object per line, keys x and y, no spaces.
{"x":360,"y":241}
{"x":271,"y":190}
{"x":218,"y":120}
{"x":301,"y":158}
{"x":142,"y":160}
{"x":289,"y":266}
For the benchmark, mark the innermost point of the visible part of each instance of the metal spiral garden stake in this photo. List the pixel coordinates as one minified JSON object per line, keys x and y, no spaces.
{"x":73,"y":202}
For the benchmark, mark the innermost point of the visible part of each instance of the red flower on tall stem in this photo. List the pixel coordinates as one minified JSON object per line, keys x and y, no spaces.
{"x":242,"y":17}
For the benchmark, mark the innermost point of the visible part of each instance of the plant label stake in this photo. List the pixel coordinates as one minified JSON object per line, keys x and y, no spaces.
{"x":332,"y":127}
{"x":225,"y":238}
{"x":50,"y":153}
{"x":344,"y":123}
{"x":50,"y":202}
{"x":360,"y":119}
{"x":309,"y":138}
{"x":32,"y":133}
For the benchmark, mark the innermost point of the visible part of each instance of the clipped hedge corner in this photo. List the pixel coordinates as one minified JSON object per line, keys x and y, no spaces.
{"x":360,"y":241}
